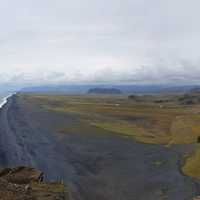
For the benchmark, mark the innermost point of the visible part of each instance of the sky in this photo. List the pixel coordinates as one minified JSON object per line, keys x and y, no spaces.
{"x":93,"y":41}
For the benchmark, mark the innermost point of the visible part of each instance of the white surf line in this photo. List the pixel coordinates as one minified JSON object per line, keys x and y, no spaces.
{"x":5,"y":99}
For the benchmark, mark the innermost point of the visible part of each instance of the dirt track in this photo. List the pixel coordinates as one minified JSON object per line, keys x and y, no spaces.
{"x":97,"y":167}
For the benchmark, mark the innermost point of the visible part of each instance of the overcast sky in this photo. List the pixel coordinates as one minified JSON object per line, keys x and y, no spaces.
{"x":83,"y":41}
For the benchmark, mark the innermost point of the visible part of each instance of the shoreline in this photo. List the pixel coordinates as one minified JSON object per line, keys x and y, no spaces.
{"x":5,"y":100}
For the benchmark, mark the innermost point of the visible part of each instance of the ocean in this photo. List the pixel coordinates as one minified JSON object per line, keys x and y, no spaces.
{"x":3,"y":98}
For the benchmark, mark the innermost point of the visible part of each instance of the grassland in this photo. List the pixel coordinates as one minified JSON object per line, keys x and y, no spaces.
{"x":192,"y":165}
{"x":148,"y":122}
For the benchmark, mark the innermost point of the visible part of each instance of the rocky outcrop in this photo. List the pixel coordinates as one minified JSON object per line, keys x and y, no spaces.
{"x":23,"y":183}
{"x":196,"y":198}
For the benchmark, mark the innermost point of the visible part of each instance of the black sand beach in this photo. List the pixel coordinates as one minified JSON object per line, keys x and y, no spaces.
{"x":96,"y":167}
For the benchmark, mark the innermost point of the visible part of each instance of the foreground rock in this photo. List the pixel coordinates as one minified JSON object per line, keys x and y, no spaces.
{"x":25,"y":183}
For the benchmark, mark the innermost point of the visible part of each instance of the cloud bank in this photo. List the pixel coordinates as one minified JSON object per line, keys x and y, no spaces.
{"x":91,"y":41}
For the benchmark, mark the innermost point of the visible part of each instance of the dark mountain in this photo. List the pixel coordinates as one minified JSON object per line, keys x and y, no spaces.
{"x":104,"y":91}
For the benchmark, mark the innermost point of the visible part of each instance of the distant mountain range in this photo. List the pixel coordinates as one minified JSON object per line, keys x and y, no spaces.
{"x":125,"y":89}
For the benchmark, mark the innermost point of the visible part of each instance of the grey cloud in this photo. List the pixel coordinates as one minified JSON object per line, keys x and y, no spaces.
{"x":99,"y":41}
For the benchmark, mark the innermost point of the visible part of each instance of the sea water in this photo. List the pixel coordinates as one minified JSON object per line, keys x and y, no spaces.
{"x":3,"y":98}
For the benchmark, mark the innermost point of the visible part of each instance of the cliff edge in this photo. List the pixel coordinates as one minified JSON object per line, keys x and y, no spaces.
{"x":23,"y":183}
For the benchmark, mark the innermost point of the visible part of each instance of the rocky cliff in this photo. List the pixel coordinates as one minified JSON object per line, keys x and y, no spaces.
{"x":23,"y":183}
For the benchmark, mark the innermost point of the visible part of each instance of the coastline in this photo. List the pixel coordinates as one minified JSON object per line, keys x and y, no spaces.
{"x":5,"y":100}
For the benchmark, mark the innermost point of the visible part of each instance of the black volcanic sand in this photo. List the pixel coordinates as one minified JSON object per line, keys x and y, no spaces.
{"x":96,"y":167}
